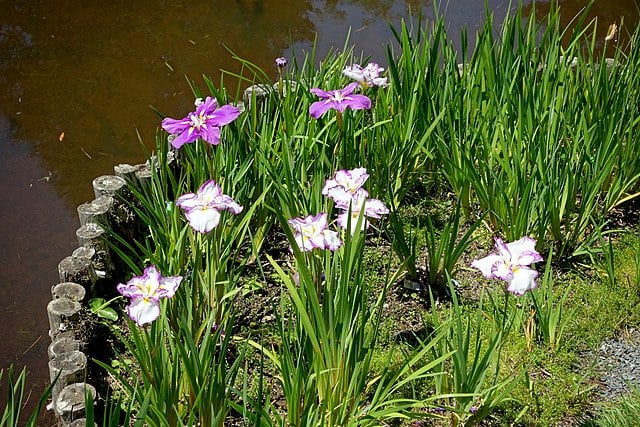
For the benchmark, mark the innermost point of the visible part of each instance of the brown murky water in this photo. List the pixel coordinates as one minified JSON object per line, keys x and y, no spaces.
{"x":76,"y":82}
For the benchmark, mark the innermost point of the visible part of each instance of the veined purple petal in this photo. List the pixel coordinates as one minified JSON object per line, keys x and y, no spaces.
{"x":210,"y":134}
{"x":174,"y":126}
{"x":223,"y":115}
{"x":358,"y":102}
{"x":321,"y":93}
{"x":349,"y":89}
{"x":318,"y":108}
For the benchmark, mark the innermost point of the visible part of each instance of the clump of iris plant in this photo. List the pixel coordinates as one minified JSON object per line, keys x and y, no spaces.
{"x":145,"y":292}
{"x":311,"y":232}
{"x":202,"y":209}
{"x":511,"y":264}
{"x":204,"y":123}
{"x":367,"y":76}
{"x":338,"y":100}
{"x":346,"y":190}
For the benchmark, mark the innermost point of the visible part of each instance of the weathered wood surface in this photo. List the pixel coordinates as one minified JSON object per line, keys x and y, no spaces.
{"x":66,"y":368}
{"x":62,"y":313}
{"x":63,"y":345}
{"x":108,"y":185}
{"x":70,"y":403}
{"x":70,"y":290}
{"x":79,"y":270}
{"x":96,"y":211}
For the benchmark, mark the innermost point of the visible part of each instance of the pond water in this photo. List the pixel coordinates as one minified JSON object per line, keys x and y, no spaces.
{"x":77,"y":80}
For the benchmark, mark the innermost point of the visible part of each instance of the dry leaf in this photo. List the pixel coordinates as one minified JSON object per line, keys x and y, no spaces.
{"x":613,"y":28}
{"x":61,"y":137}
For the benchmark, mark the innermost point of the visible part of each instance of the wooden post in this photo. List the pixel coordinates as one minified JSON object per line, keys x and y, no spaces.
{"x":260,"y":92}
{"x":73,"y":291}
{"x":62,"y":312}
{"x":70,"y":403}
{"x":63,"y":345}
{"x":92,"y":235}
{"x":126,"y":171}
{"x":96,"y":211}
{"x":66,"y":368}
{"x":108,"y":185}
{"x":79,"y":270}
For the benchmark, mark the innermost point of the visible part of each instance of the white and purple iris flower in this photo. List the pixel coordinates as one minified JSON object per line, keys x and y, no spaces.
{"x":144,"y":293}
{"x":311,"y":233}
{"x":339,"y":100}
{"x":370,"y":208}
{"x":511,"y":264}
{"x":346,"y":190}
{"x":367,"y":76}
{"x":204,"y":123}
{"x":346,"y":184}
{"x":202,"y":209}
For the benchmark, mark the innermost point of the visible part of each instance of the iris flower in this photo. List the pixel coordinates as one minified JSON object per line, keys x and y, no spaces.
{"x":203,"y":123}
{"x":511,"y":264}
{"x":367,"y":76}
{"x":202,"y":209}
{"x":281,"y":62}
{"x":346,"y":184}
{"x":339,"y":100}
{"x":370,"y":208}
{"x":145,"y":293}
{"x":311,"y":233}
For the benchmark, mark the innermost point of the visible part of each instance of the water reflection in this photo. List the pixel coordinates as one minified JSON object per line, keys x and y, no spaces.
{"x":624,"y":14}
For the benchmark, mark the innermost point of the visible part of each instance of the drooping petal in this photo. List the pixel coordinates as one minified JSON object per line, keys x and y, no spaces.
{"x":143,"y":310}
{"x":169,"y":286}
{"x":374,"y":208}
{"x":224,"y":202}
{"x":318,"y":108}
{"x":174,"y":126}
{"x":522,"y":280}
{"x":223,"y":115}
{"x":210,"y":134}
{"x":321,"y":93}
{"x":188,"y":200}
{"x":523,"y":251}
{"x":357,"y":102}
{"x":331,"y":240}
{"x":187,"y":136}
{"x":203,"y":219}
{"x":486,"y":265}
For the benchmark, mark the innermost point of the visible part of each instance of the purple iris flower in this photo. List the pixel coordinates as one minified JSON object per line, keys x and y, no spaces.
{"x":202,"y":209}
{"x":339,"y":100}
{"x":311,"y":233}
{"x":281,"y":62}
{"x":145,"y":293}
{"x":203,"y":123}
{"x":511,"y":264}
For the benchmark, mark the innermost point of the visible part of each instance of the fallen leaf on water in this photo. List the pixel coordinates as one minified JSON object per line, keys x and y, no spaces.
{"x":61,"y":137}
